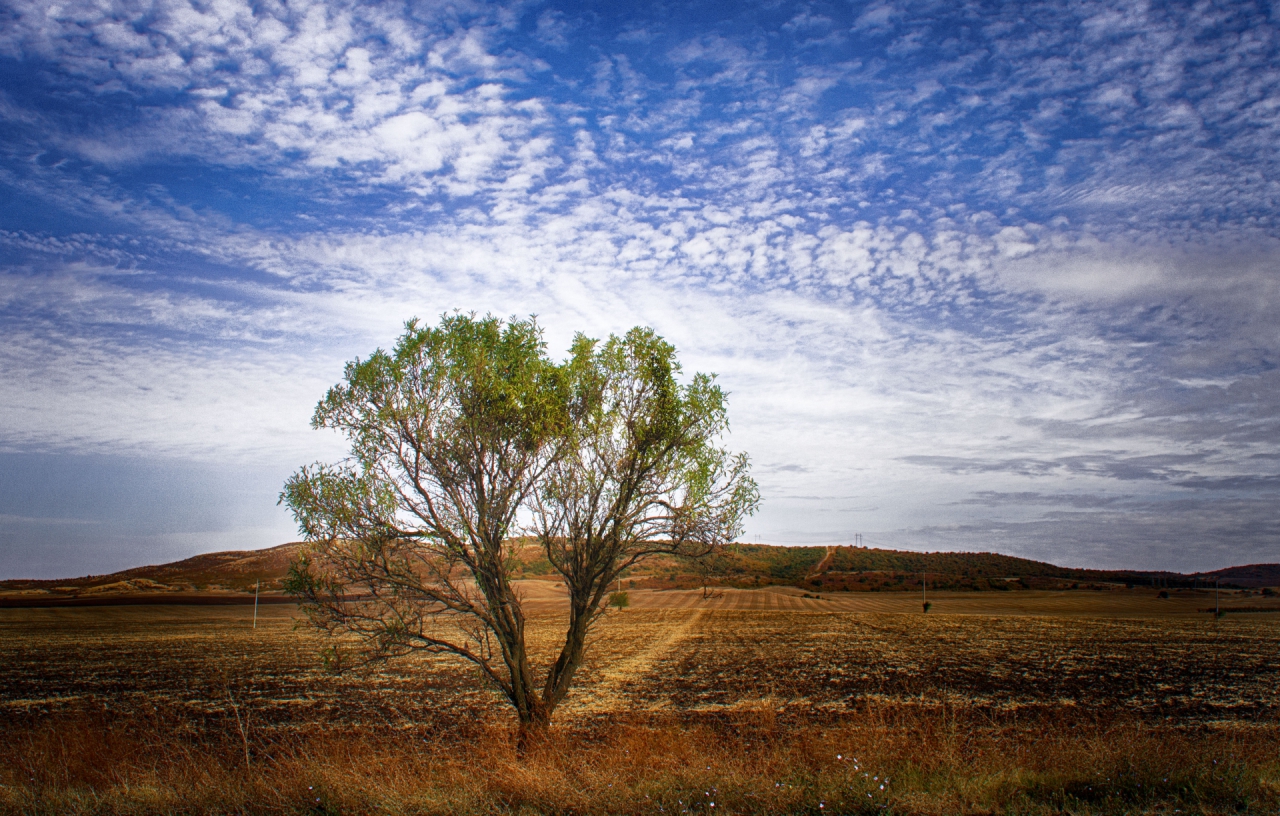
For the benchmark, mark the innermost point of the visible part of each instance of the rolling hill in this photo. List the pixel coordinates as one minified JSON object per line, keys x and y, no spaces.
{"x":229,"y":577}
{"x":212,"y":575}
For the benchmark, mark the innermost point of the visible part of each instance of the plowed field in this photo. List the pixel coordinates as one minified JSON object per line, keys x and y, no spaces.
{"x":671,"y":652}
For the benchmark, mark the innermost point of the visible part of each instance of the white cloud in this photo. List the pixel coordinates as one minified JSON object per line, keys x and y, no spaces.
{"x":344,"y":87}
{"x":986,"y":270}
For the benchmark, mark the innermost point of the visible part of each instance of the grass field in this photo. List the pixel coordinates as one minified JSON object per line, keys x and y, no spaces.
{"x":992,"y":702}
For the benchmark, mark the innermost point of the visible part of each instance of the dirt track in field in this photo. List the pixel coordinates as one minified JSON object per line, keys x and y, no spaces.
{"x":1106,"y":655}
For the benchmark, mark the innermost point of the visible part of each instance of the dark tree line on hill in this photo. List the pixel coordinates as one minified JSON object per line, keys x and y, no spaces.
{"x":863,"y":569}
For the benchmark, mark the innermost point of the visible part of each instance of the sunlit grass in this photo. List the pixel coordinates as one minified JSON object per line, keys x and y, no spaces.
{"x":881,"y":760}
{"x":757,"y":711}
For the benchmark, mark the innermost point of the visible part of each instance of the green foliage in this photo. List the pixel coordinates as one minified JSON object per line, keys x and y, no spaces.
{"x":619,"y":600}
{"x":459,"y":430}
{"x":469,"y":398}
{"x":643,"y":465}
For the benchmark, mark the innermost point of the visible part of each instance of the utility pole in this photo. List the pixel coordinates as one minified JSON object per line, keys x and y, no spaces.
{"x":256,"y":585}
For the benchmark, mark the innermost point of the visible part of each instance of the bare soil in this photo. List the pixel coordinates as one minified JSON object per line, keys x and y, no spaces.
{"x":671,"y":652}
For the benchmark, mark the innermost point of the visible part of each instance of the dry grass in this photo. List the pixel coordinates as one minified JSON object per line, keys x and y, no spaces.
{"x":894,"y":760}
{"x":769,"y":711}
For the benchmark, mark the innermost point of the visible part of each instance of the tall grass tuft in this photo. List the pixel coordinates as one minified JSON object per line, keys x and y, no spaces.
{"x":882,"y":758}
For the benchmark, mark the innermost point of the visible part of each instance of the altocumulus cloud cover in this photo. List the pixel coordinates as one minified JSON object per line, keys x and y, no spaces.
{"x":994,"y":276}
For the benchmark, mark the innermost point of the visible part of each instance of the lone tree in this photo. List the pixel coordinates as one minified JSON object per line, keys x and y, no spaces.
{"x":466,"y":428}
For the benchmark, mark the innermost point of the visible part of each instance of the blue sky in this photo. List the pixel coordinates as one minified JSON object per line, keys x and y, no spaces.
{"x":978,"y":276}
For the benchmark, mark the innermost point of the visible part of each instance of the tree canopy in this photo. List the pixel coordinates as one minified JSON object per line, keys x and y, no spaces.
{"x":466,"y":435}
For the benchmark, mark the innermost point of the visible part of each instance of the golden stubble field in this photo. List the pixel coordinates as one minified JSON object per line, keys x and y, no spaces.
{"x":674,"y":652}
{"x":983,"y":702}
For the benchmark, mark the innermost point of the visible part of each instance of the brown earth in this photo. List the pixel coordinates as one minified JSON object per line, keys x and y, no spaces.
{"x":672,"y":651}
{"x":1030,"y":702}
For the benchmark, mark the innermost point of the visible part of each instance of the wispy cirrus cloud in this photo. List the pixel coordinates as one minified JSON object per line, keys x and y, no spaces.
{"x":948,"y":260}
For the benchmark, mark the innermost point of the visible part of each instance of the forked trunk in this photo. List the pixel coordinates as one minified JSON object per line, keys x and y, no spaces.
{"x":535,"y":709}
{"x":560,"y":677}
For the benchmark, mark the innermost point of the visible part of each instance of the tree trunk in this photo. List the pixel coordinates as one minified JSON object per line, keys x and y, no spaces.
{"x":533,"y":729}
{"x":534,"y":710}
{"x":560,"y":677}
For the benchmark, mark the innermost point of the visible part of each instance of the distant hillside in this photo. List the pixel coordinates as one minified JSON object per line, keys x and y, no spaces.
{"x":873,"y":570}
{"x":1252,"y":576}
{"x":228,"y":575}
{"x":234,"y":570}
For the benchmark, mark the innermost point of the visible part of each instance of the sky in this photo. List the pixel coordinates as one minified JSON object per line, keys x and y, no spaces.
{"x":977,"y":276}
